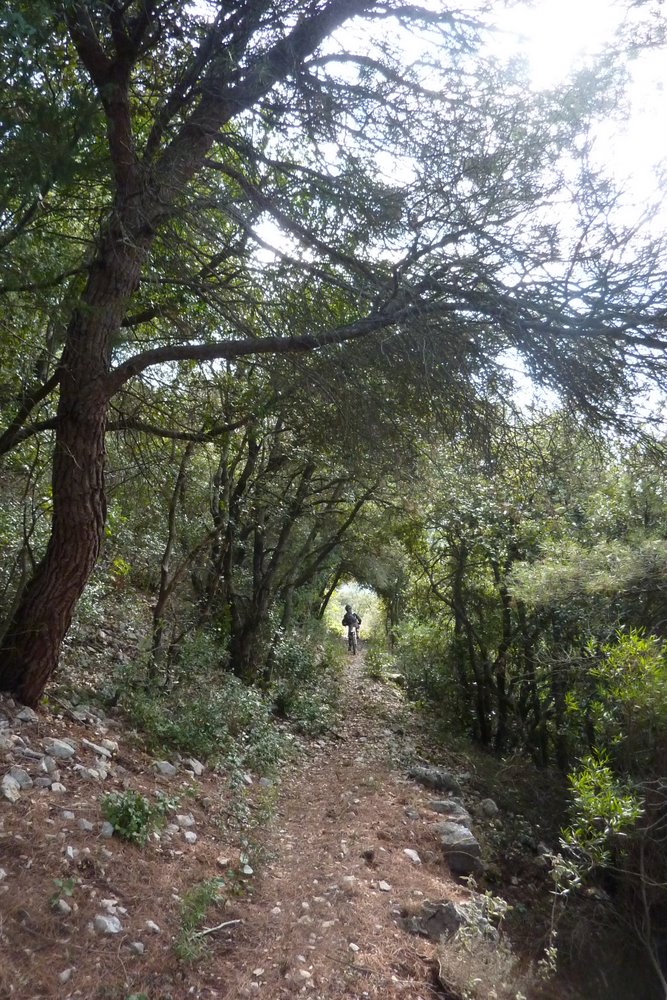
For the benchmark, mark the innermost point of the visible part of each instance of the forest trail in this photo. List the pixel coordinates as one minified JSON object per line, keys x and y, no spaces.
{"x":84,"y":914}
{"x":322,"y":921}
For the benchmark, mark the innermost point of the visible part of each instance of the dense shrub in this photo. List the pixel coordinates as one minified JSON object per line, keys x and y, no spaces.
{"x":305,"y":682}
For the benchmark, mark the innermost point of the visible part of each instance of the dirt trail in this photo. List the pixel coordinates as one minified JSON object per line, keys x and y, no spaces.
{"x":322,"y":920}
{"x":321,"y":917}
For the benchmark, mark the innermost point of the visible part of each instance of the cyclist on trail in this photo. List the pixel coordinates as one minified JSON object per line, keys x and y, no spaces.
{"x":351,"y":620}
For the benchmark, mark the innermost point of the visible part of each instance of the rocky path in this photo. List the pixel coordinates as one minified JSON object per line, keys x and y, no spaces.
{"x":352,"y":850}
{"x":350,"y":855}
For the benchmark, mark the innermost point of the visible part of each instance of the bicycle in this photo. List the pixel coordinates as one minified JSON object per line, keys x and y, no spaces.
{"x":352,"y":639}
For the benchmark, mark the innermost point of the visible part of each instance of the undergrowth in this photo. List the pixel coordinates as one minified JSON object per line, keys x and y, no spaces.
{"x":133,"y":816}
{"x":305,"y":682}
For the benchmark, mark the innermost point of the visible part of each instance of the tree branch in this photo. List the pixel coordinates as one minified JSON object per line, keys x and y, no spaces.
{"x":16,"y":432}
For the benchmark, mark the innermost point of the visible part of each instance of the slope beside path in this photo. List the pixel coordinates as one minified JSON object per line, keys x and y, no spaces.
{"x":350,"y":846}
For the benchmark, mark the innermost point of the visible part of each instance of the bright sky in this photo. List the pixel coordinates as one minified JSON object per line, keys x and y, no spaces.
{"x":557,"y":37}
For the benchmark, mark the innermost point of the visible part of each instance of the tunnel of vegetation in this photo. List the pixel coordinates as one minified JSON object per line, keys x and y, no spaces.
{"x":258,"y":279}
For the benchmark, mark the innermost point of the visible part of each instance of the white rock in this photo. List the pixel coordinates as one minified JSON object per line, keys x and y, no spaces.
{"x":190,"y":836}
{"x":21,"y":775}
{"x":62,"y":906}
{"x":105,"y":924}
{"x":88,"y":773}
{"x":137,"y":947}
{"x":258,"y":972}
{"x":59,"y":748}
{"x":152,"y":927}
{"x":305,"y":974}
{"x":71,"y":853}
{"x":353,"y":947}
{"x":27,"y":715}
{"x":58,"y":788}
{"x":276,"y":911}
{"x":85,"y":824}
{"x":10,"y":788}
{"x":186,"y":820}
{"x":43,"y":781}
{"x":195,"y":765}
{"x":106,"y":830}
{"x":165,"y":768}
{"x":384,"y":886}
{"x":100,"y":750}
{"x":65,"y":975}
{"x":3,"y":874}
{"x":67,"y":814}
{"x":412,"y":855}
{"x":47,"y":765}
{"x":110,"y":745}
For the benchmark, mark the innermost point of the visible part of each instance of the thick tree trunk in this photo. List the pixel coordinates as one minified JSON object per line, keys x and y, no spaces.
{"x":31,"y":645}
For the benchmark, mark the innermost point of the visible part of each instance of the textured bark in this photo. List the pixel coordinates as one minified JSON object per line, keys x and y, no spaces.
{"x":31,"y":645}
{"x":145,"y":190}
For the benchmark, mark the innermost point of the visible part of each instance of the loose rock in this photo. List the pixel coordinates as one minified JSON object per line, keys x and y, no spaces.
{"x":59,"y":749}
{"x":165,"y":768}
{"x":10,"y":788}
{"x":105,"y":924}
{"x":460,"y":848}
{"x":435,"y":777}
{"x":27,"y":715}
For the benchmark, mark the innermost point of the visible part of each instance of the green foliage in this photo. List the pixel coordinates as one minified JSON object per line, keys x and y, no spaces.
{"x":211,"y":715}
{"x":190,"y":943}
{"x":378,"y":662}
{"x":305,"y":686}
{"x":133,"y":816}
{"x":603,"y":808}
{"x":64,"y":888}
{"x":424,"y":656}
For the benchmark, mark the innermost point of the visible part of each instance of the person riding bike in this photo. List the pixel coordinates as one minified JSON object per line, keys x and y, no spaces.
{"x":351,"y":621}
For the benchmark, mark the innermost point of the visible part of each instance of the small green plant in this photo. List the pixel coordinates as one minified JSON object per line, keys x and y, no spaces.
{"x":603,"y":807}
{"x":190,"y":943}
{"x":64,"y":888}
{"x":132,"y":816}
{"x":378,"y":663}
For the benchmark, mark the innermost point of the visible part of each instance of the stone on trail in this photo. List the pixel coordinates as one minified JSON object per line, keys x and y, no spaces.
{"x":186,"y":820}
{"x":436,"y":920}
{"x":384,"y":886}
{"x":20,"y":775}
{"x":164,"y":768}
{"x":105,"y":924}
{"x":435,"y":777}
{"x":10,"y":788}
{"x":412,"y":855}
{"x":452,"y":809}
{"x":489,"y":808}
{"x":27,"y":715}
{"x":96,"y":748}
{"x":59,"y":748}
{"x":460,"y":847}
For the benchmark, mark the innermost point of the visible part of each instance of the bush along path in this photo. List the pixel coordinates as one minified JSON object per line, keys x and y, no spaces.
{"x":122,"y":876}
